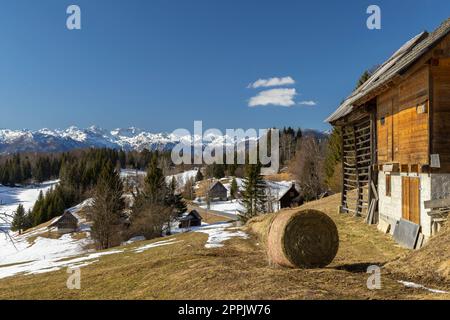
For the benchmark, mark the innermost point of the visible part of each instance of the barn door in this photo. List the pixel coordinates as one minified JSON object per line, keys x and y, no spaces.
{"x":411,"y":199}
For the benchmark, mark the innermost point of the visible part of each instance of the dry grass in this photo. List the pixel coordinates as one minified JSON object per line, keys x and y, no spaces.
{"x":239,"y":270}
{"x":429,"y":265}
{"x":46,"y":234}
{"x":284,"y":176}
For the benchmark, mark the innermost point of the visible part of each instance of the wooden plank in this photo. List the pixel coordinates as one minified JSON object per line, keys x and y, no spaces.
{"x":370,"y":213}
{"x":438,"y":203}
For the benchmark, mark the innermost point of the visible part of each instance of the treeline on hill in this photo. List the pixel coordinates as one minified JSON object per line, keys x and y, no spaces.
{"x":29,"y":168}
{"x":20,"y":169}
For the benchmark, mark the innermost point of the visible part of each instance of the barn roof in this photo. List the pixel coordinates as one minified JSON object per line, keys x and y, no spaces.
{"x":403,"y":58}
{"x":286,"y":191}
{"x":193,"y":214}
{"x":67,"y":215}
{"x":217,"y":183}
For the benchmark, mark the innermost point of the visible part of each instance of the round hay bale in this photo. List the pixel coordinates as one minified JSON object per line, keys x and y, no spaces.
{"x":302,"y":239}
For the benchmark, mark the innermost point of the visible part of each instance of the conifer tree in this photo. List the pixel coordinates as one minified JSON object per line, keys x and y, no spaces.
{"x":218,"y":170}
{"x":233,"y":188}
{"x":199,"y":176}
{"x":19,"y":222}
{"x":333,"y":155}
{"x":174,"y":199}
{"x":155,"y":186}
{"x":254,"y":197}
{"x":107,"y":209}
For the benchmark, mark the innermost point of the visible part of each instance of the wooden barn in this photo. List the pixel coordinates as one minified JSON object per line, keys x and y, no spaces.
{"x":218,"y":192}
{"x":289,"y":198}
{"x":395,"y":129}
{"x":65,"y":224}
{"x":193,"y":219}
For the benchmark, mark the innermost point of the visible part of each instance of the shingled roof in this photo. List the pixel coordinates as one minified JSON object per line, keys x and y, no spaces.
{"x":403,"y":58}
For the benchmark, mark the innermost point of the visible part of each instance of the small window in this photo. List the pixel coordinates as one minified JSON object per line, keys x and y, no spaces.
{"x":388,"y":185}
{"x":383,"y":120}
{"x":422,"y":108}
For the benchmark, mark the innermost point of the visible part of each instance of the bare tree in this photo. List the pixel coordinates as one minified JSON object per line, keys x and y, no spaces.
{"x":149,"y":220}
{"x":5,"y":221}
{"x":308,"y":168}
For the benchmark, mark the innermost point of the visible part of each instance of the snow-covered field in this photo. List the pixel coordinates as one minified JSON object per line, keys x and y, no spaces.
{"x":30,"y":252}
{"x":182,"y":178}
{"x":10,"y":198}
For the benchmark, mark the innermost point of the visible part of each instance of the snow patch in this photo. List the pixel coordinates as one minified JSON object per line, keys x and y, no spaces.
{"x":156,"y":244}
{"x":419,"y":286}
{"x":217,"y":234}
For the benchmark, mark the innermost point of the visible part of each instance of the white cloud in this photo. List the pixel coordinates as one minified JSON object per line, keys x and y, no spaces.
{"x":277,"y":97}
{"x":308,"y":103}
{"x":271,"y":82}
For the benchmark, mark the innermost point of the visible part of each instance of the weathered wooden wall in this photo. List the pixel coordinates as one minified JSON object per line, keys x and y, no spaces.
{"x":440,"y":77}
{"x":403,"y":138}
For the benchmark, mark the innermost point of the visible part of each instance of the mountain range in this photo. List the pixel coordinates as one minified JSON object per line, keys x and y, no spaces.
{"x":47,"y":140}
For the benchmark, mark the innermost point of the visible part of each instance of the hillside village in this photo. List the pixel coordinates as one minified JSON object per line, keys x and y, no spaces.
{"x":138,"y":226}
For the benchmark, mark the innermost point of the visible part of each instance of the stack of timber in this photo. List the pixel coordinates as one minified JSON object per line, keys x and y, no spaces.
{"x":358,"y":157}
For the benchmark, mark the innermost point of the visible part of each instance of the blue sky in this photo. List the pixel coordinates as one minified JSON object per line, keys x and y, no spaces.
{"x":161,"y":64}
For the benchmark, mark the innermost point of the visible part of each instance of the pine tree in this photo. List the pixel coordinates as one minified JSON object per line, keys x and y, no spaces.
{"x":199,"y":176}
{"x":107,"y":209}
{"x":155,"y":186}
{"x":179,"y":204}
{"x":19,"y":222}
{"x":122,"y":159}
{"x":333,"y":156}
{"x":254,"y":197}
{"x":363,"y":78}
{"x":218,"y":170}
{"x":233,"y":188}
{"x":174,"y":199}
{"x":37,"y":210}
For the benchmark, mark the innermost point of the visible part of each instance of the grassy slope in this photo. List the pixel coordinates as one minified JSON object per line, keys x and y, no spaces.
{"x":188,"y":270}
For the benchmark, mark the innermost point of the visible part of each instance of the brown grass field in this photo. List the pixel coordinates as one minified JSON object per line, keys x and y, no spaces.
{"x":239,"y":270}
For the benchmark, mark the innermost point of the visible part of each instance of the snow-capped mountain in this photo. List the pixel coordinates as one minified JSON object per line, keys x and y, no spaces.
{"x":48,"y":140}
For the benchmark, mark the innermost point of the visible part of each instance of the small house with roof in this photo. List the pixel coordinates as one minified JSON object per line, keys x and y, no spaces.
{"x":193,"y":219}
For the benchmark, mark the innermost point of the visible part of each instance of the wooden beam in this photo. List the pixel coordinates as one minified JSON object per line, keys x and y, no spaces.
{"x":439,"y":203}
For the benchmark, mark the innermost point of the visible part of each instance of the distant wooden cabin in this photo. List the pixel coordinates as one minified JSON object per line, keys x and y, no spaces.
{"x":67,"y":223}
{"x":193,"y":219}
{"x":395,"y":130}
{"x":290,"y":198}
{"x":218,"y":192}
